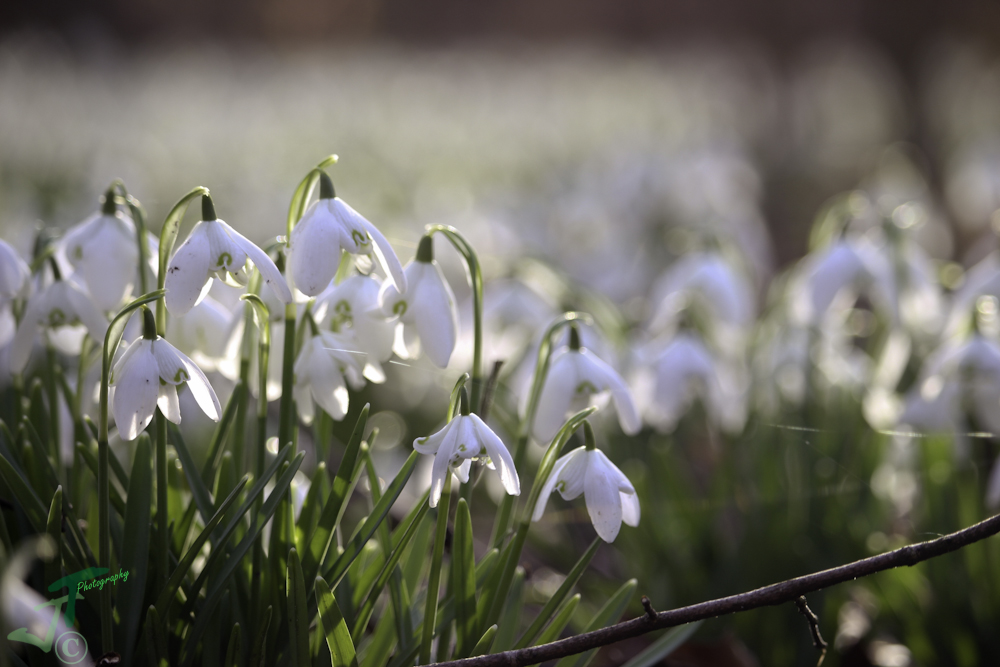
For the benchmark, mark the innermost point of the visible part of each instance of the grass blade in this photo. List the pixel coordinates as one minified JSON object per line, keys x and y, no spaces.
{"x":463,"y":582}
{"x":608,"y":614}
{"x":298,"y":618}
{"x":334,"y":627}
{"x":135,"y":551}
{"x":560,"y":620}
{"x":664,"y":646}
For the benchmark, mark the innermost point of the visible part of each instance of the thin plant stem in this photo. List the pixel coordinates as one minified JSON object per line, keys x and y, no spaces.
{"x":434,"y":581}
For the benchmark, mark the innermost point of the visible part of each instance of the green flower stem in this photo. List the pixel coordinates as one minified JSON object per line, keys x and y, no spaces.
{"x":111,"y":340}
{"x":502,"y":523}
{"x":476,"y":276}
{"x":162,"y":540}
{"x":52,"y":390}
{"x":286,"y":421}
{"x":434,"y":581}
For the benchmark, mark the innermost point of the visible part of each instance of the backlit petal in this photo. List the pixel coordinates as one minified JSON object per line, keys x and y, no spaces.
{"x":136,"y":392}
{"x":187,"y":272}
{"x":603,"y":500}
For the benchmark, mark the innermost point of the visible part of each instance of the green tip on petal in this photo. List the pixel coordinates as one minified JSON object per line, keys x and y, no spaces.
{"x":108,"y":202}
{"x":588,"y":436}
{"x":425,"y":251}
{"x":326,"y":190}
{"x":148,"y":324}
{"x":208,"y":208}
{"x":574,"y":338}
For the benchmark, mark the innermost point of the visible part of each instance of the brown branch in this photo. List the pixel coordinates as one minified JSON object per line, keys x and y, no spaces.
{"x":813,"y":620}
{"x":775,"y":594}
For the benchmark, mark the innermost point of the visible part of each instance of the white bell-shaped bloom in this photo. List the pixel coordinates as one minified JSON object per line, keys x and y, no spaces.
{"x":676,"y":373}
{"x":351,"y":308}
{"x":327,"y":364}
{"x":62,"y":303}
{"x":14,"y":273}
{"x":426,"y":309}
{"x":610,"y":497}
{"x":575,"y":375}
{"x":464,"y":439}
{"x":328,"y":226}
{"x":103,"y":251}
{"x":845,"y":264}
{"x":147,"y":376}
{"x":708,"y":275}
{"x":215,"y":249}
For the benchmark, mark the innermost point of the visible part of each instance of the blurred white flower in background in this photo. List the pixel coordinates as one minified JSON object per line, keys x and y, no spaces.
{"x":203,"y":333}
{"x":14,"y":274}
{"x":104,"y":252}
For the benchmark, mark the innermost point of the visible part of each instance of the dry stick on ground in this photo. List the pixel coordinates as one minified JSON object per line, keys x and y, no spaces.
{"x":775,"y":594}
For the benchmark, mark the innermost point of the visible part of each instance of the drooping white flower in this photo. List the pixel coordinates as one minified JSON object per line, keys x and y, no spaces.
{"x":610,"y":497}
{"x":104,"y":252}
{"x":575,"y":375}
{"x":674,"y":373}
{"x":203,"y":332}
{"x":326,"y":366}
{"x":147,"y":376}
{"x":710,"y":277}
{"x":464,"y":439}
{"x":328,"y":226}
{"x":215,"y":249}
{"x":14,"y":273}
{"x":351,"y":308}
{"x":62,"y":303}
{"x":426,"y":308}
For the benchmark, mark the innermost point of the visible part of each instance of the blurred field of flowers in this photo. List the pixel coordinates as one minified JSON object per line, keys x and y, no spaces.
{"x":799,"y":413}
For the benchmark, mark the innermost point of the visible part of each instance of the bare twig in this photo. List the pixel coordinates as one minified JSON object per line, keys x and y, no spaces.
{"x":775,"y":594}
{"x":813,"y":620}
{"x":648,"y":606}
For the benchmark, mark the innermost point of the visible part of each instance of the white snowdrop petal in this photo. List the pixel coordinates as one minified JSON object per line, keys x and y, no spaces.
{"x":549,"y":486}
{"x":462,"y":471}
{"x":603,"y":501}
{"x":434,"y":315}
{"x":441,"y":467}
{"x":14,"y":271}
{"x":201,"y":389}
{"x":136,"y":393}
{"x":168,"y":403}
{"x":23,"y":343}
{"x":574,"y":474}
{"x":268,"y":270}
{"x":170,"y":362}
{"x":630,"y":508}
{"x":123,"y":360}
{"x":605,"y":377}
{"x":432,"y":443}
{"x":328,"y":387}
{"x":498,"y":454}
{"x":304,"y":402}
{"x":387,"y":257}
{"x":314,"y":245}
{"x":187,"y":272}
{"x":556,"y":396}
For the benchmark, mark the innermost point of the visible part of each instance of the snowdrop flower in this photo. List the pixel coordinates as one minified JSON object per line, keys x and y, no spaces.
{"x":14,"y":273}
{"x":352,"y":308}
{"x":203,"y":333}
{"x":103,"y":251}
{"x":426,"y":308}
{"x":672,"y":376}
{"x":215,"y":249}
{"x":728,"y":295}
{"x":464,"y":439}
{"x":327,"y":364}
{"x":576,"y":374}
{"x":147,"y":376}
{"x":62,"y":303}
{"x":328,"y":226}
{"x":610,"y":497}
{"x":844,"y":264}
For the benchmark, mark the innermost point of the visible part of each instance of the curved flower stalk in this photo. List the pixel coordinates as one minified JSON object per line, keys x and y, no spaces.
{"x":674,"y":373}
{"x":328,"y":226}
{"x":14,"y":274}
{"x":574,"y":377}
{"x":214,"y":249}
{"x":326,"y":366}
{"x":147,"y":376}
{"x":351,"y":308}
{"x":426,"y":310}
{"x":62,"y":303}
{"x":611,"y":498}
{"x":465,"y":439}
{"x":104,"y":252}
